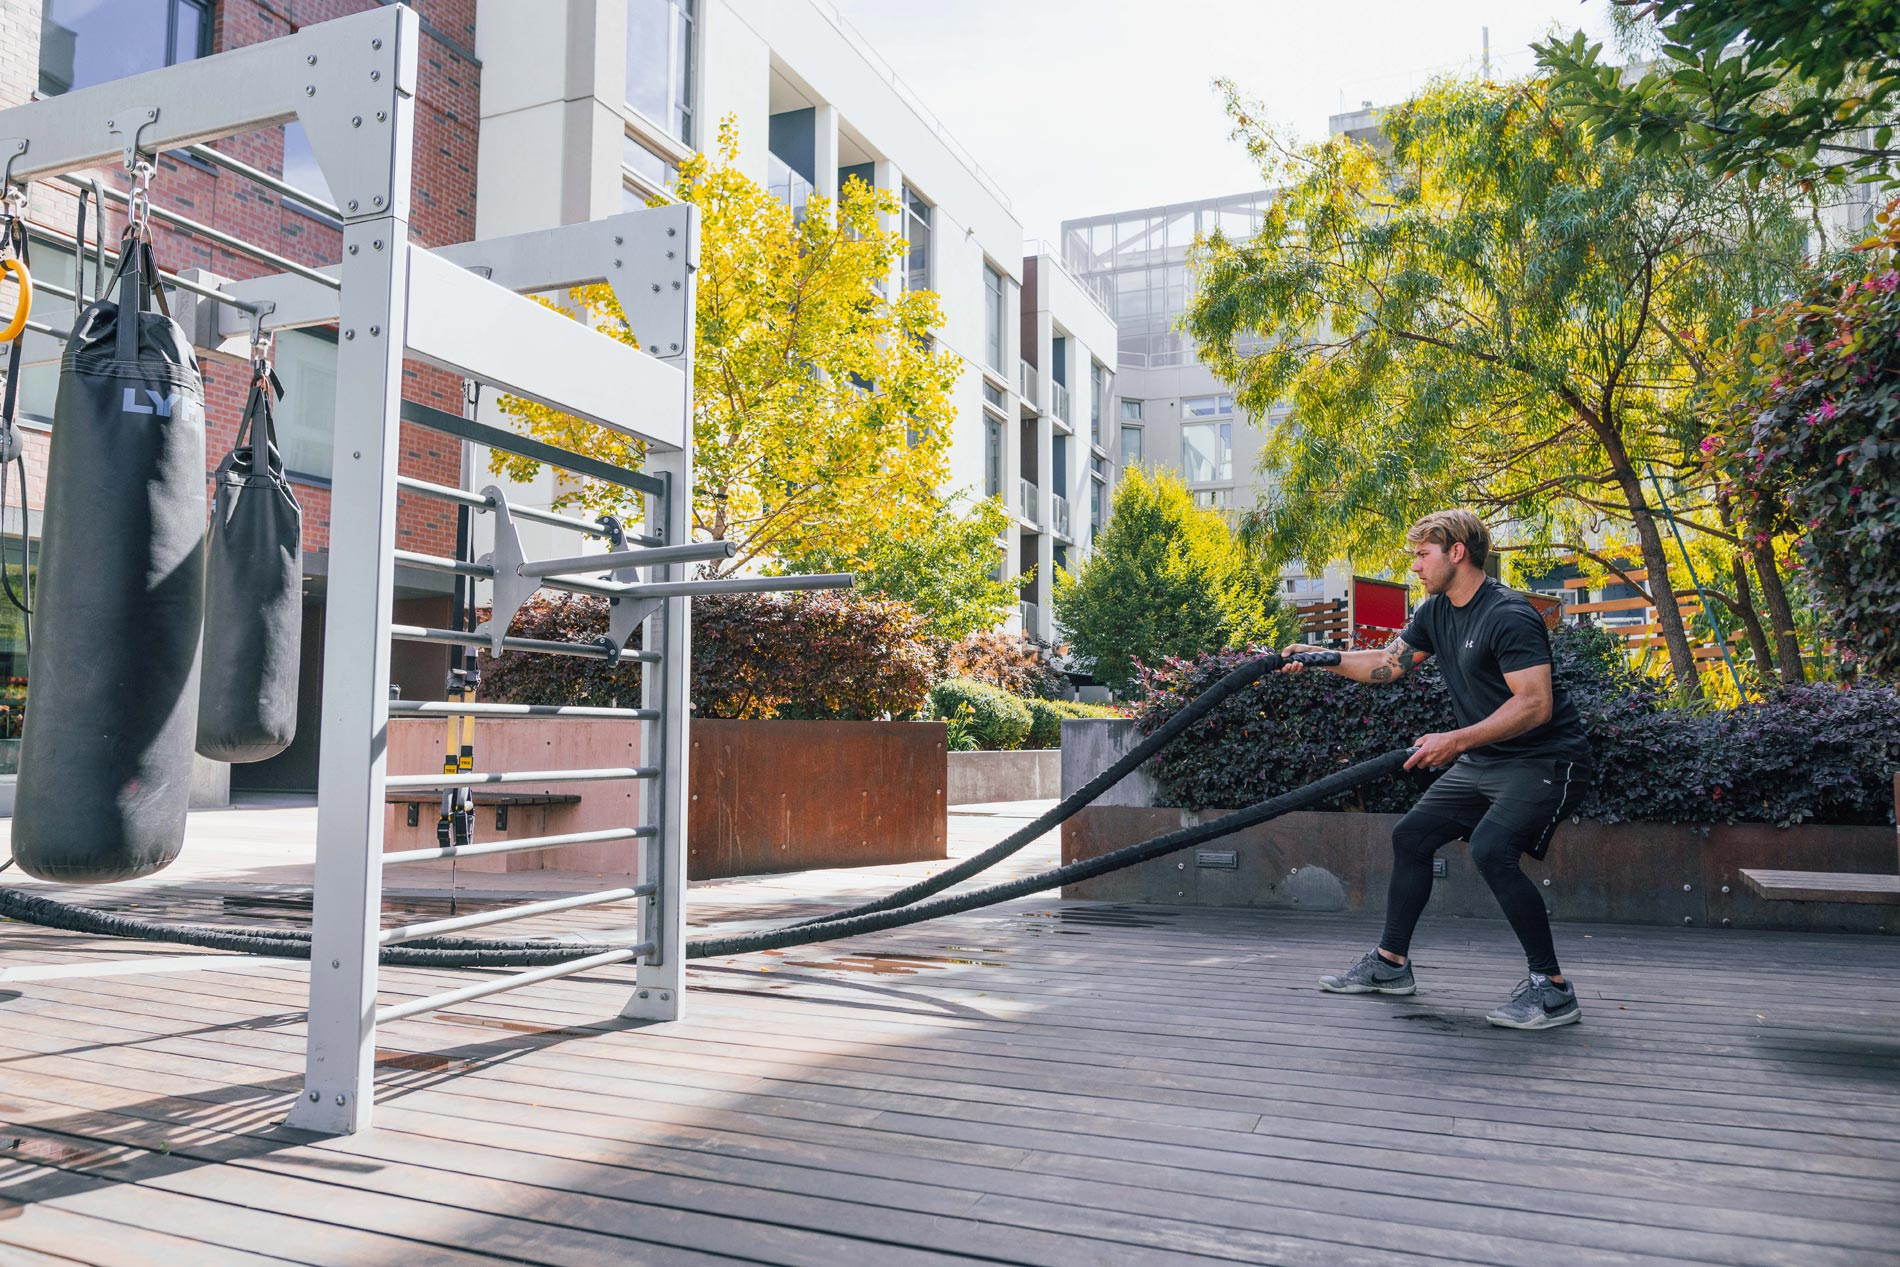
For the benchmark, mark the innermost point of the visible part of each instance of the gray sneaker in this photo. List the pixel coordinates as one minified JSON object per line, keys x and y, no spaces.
{"x":1372,"y":975}
{"x":1538,"y":1003}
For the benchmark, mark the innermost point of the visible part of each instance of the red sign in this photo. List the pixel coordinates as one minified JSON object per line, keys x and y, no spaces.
{"x":1379,"y":609}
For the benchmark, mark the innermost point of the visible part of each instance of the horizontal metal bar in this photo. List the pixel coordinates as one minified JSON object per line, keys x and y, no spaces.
{"x":436,"y":1002}
{"x":741,"y":585}
{"x":437,"y":563}
{"x":40,"y":327}
{"x":524,"y":845}
{"x":509,"y":442}
{"x":527,"y":910}
{"x":220,"y":159}
{"x":581,"y":563}
{"x":456,"y":638}
{"x":407,"y":782}
{"x":112,"y":260}
{"x":463,"y":497}
{"x":449,"y":708}
{"x":222,"y":238}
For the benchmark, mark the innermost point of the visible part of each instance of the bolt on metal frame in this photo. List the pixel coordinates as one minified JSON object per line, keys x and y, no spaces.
{"x":351,"y":83}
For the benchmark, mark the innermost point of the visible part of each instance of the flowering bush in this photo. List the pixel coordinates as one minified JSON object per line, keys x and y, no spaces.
{"x":1812,"y":442}
{"x":1822,"y":753}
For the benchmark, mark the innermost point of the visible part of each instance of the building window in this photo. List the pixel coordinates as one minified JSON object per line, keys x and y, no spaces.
{"x":787,"y":185}
{"x":993,"y":317}
{"x":1218,"y":498}
{"x":917,"y":233}
{"x":660,"y":63}
{"x":87,"y":42}
{"x":992,"y":458}
{"x":1098,"y":392}
{"x":306,"y":417}
{"x":1308,"y":589}
{"x":1206,"y":406}
{"x":993,"y":397}
{"x":1207,"y":451}
{"x":1131,"y":446}
{"x":1131,"y":411}
{"x":642,"y":173}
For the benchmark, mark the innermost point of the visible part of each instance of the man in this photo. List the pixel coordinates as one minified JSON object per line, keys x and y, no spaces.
{"x":1518,"y":763}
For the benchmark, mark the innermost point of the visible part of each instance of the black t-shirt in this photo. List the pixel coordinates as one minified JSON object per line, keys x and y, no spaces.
{"x":1497,"y":632}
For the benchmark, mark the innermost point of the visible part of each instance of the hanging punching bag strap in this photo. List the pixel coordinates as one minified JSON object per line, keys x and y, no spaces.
{"x":265,"y":391}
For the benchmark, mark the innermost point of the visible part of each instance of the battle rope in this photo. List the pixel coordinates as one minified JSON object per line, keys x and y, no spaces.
{"x":462,"y":952}
{"x":1200,"y":706}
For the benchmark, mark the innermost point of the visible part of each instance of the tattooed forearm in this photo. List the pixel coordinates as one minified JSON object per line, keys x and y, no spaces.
{"x":1398,"y":655}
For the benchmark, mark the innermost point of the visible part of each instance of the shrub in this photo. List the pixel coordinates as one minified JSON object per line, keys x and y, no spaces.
{"x":819,"y":655}
{"x":990,"y":716}
{"x":815,"y":655}
{"x":1046,"y":718}
{"x":1808,"y":754}
{"x":1010,"y":661}
{"x":520,"y":678}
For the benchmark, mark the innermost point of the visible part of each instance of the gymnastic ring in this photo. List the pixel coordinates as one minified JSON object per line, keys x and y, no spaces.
{"x":24,"y":308}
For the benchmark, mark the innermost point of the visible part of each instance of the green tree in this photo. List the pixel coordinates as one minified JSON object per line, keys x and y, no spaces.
{"x":1496,"y":311}
{"x":821,"y":411}
{"x":940,"y":563}
{"x":1755,"y":88}
{"x":1166,"y":578}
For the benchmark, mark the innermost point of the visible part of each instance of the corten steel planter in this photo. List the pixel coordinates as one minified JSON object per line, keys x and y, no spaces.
{"x":765,"y":795}
{"x":1649,"y":873}
{"x":1642,"y":873}
{"x":796,"y":795}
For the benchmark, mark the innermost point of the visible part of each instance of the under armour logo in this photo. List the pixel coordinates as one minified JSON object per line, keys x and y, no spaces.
{"x":161,"y":405}
{"x":1468,"y":644}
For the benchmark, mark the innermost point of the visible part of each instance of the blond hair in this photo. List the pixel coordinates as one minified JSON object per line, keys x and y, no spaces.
{"x":1446,"y":528}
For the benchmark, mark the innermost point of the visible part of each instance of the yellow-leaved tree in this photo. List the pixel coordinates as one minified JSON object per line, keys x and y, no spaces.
{"x":821,"y":408}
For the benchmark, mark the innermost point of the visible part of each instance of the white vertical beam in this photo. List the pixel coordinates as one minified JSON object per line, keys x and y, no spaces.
{"x":340,"y":1047}
{"x":824,"y":146}
{"x":659,"y":992}
{"x":351,"y":756}
{"x":886,"y":176}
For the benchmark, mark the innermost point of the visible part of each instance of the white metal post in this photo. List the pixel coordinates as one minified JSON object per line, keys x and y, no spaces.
{"x":659,"y":986}
{"x":339,"y":1059}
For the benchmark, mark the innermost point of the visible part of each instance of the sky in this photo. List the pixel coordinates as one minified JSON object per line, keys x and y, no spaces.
{"x":1092,"y":106}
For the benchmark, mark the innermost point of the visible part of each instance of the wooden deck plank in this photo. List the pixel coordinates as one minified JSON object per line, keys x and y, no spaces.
{"x":1823,"y":886}
{"x":1047,"y":1082}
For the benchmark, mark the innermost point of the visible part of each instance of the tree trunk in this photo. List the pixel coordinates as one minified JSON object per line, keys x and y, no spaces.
{"x":1751,"y":621}
{"x":1780,"y":615}
{"x":1655,"y":559}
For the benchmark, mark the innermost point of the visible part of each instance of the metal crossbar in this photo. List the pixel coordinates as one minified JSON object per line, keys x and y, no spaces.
{"x":697,"y":552}
{"x":220,"y":159}
{"x":455,"y":637}
{"x":436,"y":1002}
{"x":527,"y":910}
{"x":527,"y":844}
{"x":449,"y":708}
{"x":411,"y":782}
{"x":478,"y":502}
{"x":228,"y":240}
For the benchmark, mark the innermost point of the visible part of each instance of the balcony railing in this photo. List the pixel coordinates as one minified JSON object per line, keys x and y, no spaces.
{"x":1060,"y":515}
{"x":1026,"y":491}
{"x":1029,"y":383}
{"x":1028,"y":613}
{"x":1059,"y":401}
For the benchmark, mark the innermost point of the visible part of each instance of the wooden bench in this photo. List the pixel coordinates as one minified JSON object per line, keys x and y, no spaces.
{"x":501,"y":801}
{"x":1828,"y":886}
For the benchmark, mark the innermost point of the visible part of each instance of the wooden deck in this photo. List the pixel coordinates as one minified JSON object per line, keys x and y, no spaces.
{"x":1042,"y":1083}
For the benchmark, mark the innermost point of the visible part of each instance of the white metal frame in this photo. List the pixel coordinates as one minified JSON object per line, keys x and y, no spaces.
{"x":351,"y":83}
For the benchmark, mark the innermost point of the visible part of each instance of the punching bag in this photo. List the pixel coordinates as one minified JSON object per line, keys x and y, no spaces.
{"x":112,"y":677}
{"x":253,"y":620}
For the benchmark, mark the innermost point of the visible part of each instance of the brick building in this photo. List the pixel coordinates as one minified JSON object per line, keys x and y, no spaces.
{"x":51,"y":46}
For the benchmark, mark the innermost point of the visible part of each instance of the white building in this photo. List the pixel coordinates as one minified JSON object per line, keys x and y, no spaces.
{"x":588,"y":106}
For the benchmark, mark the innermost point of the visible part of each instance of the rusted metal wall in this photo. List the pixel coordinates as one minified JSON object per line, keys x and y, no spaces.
{"x":1624,"y":873}
{"x":795,"y":795}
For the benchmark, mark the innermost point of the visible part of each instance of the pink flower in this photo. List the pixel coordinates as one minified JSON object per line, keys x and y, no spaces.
{"x":1827,"y":409}
{"x":1708,"y":444}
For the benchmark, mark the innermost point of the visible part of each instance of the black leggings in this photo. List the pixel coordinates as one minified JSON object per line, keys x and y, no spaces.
{"x":1505,"y":809}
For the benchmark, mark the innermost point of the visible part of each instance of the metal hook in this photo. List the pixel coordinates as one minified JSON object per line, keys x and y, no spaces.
{"x":263,"y":344}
